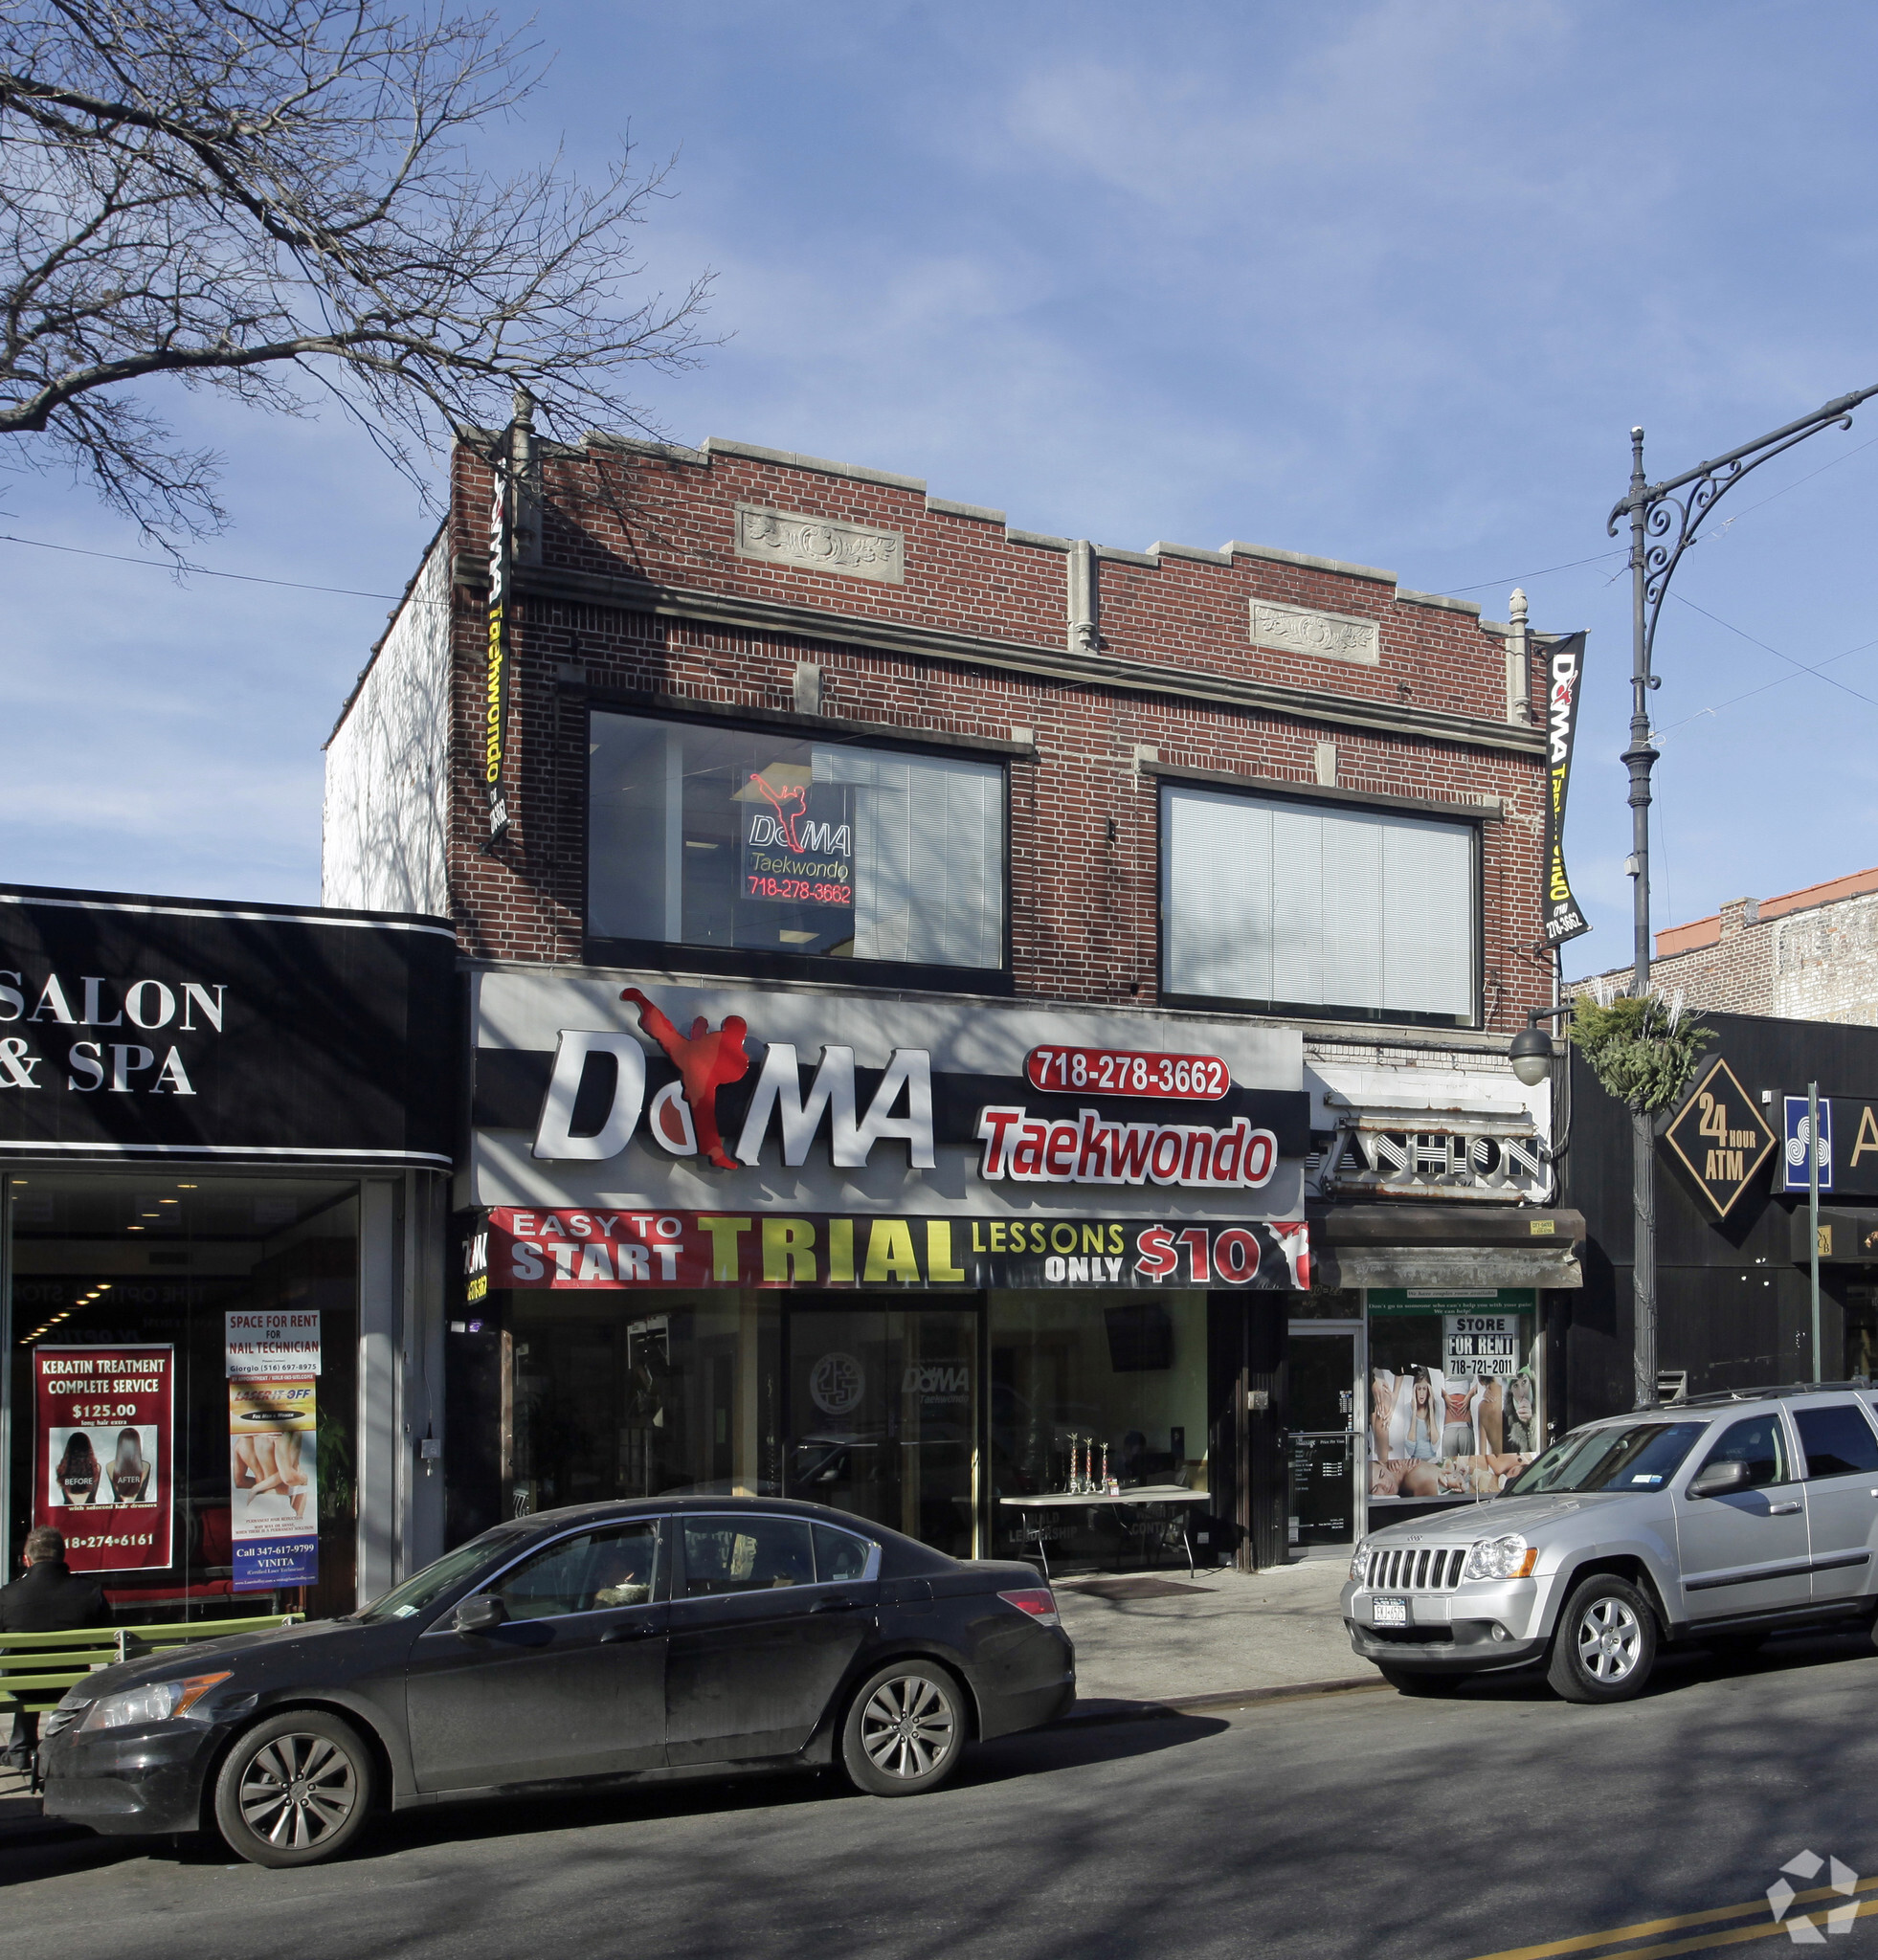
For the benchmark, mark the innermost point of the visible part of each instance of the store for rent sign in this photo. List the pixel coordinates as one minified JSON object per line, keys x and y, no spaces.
{"x":102,"y":1470}
{"x":606,"y":1250}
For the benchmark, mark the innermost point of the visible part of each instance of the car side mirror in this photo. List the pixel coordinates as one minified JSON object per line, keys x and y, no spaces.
{"x":1713,"y":1479}
{"x":482,"y":1612}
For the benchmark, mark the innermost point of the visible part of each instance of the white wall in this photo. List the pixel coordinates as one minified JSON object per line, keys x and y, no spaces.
{"x":384,"y":828}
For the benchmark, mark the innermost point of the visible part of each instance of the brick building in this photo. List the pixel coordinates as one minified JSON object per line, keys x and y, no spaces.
{"x":834,"y":767}
{"x":1810,"y":956}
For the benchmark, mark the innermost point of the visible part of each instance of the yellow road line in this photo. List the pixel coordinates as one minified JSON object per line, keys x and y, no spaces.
{"x":1582,"y":1943}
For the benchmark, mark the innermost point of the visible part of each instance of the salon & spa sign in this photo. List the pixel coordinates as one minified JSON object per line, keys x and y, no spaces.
{"x":273,"y":1419}
{"x":101,"y":1473}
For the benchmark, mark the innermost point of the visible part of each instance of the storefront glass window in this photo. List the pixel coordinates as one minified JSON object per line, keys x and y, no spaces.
{"x":607,"y":1400}
{"x":1454,"y":1395}
{"x":189,"y":1495}
{"x":717,"y":836}
{"x":1077,"y":1379}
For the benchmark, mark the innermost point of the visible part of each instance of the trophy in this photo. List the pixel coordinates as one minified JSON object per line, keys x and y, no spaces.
{"x":1106,"y":1485}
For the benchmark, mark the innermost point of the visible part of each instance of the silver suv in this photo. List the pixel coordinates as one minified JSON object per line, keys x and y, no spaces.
{"x":1720,"y":1520}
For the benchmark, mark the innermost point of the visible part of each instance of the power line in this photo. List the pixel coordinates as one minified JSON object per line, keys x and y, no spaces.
{"x":181,"y":565}
{"x":1780,"y":655}
{"x":1779,"y":680}
{"x":1453,"y":591}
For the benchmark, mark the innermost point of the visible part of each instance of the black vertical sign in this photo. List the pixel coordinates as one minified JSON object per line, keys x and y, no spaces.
{"x":1564,"y":668}
{"x":496,"y":674}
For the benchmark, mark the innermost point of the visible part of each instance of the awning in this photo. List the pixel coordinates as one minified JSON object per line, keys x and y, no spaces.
{"x":1418,"y":1244}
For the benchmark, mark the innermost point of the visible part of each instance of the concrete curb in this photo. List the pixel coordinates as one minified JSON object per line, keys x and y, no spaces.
{"x":1105,"y":1711}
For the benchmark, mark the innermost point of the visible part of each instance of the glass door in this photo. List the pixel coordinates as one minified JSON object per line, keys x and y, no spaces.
{"x":882,"y":1416}
{"x":1320,"y":1440}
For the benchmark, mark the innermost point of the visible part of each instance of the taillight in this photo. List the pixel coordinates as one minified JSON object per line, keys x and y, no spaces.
{"x":1038,"y":1601}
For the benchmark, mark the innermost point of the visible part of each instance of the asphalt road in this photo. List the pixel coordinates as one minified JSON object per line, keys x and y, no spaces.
{"x":1363,"y":1824}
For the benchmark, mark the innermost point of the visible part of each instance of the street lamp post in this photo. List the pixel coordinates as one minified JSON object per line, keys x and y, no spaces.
{"x":1664,"y":520}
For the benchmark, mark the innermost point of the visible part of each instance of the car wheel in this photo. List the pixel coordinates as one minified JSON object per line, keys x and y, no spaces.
{"x":295,"y":1789}
{"x":905,"y":1730}
{"x":1407,"y":1680}
{"x":1605,"y":1645}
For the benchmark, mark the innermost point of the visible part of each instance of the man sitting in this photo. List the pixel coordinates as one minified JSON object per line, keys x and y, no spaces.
{"x":51,"y":1598}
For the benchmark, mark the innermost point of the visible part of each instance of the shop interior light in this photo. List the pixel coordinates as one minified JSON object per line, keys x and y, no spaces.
{"x":169,"y":1201}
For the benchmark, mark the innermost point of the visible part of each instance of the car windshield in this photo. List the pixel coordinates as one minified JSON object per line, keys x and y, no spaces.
{"x":1631,"y":1456}
{"x":436,"y":1578}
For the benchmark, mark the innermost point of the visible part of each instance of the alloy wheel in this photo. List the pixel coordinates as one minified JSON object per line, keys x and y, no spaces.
{"x":908,"y":1726}
{"x":298,"y":1791}
{"x":1610,"y":1640}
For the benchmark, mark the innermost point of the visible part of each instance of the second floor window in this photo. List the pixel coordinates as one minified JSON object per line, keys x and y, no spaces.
{"x":718,"y":836}
{"x":1318,"y":909}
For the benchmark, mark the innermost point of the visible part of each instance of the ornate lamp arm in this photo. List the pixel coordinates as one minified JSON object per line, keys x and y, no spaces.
{"x":1671,"y":521}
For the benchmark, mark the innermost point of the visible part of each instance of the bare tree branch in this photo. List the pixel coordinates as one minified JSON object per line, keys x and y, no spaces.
{"x":275,"y":200}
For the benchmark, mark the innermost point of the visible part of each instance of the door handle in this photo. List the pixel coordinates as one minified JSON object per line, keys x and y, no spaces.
{"x":641,"y":1631}
{"x":834,"y":1606}
{"x":1780,"y":1511}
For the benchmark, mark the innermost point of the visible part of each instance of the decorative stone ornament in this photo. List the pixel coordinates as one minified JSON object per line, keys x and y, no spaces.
{"x":819,"y":545}
{"x":1324,"y":635}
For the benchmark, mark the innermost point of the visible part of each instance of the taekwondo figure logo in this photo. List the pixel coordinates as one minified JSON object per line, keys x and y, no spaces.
{"x":791,"y":804}
{"x":704,"y":1060}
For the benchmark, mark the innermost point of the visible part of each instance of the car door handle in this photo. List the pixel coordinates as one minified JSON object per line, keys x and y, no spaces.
{"x":640,"y":1632}
{"x":834,"y":1606}
{"x":1780,"y":1511}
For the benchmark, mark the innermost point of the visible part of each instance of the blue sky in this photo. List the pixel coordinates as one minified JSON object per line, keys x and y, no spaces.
{"x":1388,"y":282}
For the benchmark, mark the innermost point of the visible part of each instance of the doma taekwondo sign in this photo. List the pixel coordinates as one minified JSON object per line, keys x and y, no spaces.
{"x":1564,"y":670}
{"x":698,"y":1101}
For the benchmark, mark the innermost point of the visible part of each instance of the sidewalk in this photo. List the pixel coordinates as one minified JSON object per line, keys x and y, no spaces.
{"x":1161,"y":1637}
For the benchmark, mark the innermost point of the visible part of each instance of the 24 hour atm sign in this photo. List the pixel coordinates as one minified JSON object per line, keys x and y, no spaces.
{"x":588,"y":1250}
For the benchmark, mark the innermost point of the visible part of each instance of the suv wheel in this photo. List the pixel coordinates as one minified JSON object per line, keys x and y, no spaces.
{"x":1605,"y":1644}
{"x":905,"y":1730}
{"x":295,"y":1789}
{"x":1407,"y":1680}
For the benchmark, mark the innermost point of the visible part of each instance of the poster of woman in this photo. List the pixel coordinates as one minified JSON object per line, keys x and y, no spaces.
{"x":102,"y":1457}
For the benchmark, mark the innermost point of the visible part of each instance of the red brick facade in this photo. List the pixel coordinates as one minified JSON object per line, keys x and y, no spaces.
{"x":636,"y":586}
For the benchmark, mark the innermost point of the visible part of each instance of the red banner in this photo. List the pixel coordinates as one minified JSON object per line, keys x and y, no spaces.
{"x":573,"y":1248}
{"x":102,"y":1472}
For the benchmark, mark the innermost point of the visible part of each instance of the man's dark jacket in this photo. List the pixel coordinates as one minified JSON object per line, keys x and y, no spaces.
{"x":52,"y":1599}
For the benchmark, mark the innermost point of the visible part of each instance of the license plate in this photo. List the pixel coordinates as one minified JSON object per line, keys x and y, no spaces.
{"x":1390,"y":1612}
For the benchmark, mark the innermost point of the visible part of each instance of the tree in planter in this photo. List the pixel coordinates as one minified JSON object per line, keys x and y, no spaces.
{"x":1642,"y":1052}
{"x":272,"y":200}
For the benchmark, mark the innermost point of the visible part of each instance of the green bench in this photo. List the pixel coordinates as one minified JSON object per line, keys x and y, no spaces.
{"x":36,"y":1669}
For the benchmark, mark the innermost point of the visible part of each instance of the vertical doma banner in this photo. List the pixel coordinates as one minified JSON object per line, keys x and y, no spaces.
{"x":1564,"y":669}
{"x":102,"y":1472}
{"x":495,"y":676}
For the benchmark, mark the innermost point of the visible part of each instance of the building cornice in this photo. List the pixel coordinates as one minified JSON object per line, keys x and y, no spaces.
{"x":1085,"y":669}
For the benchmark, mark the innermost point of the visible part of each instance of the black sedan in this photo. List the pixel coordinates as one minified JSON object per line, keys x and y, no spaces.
{"x":668,"y":1636}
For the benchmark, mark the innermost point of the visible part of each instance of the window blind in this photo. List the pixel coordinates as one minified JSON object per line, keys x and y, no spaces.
{"x":1351,"y":910}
